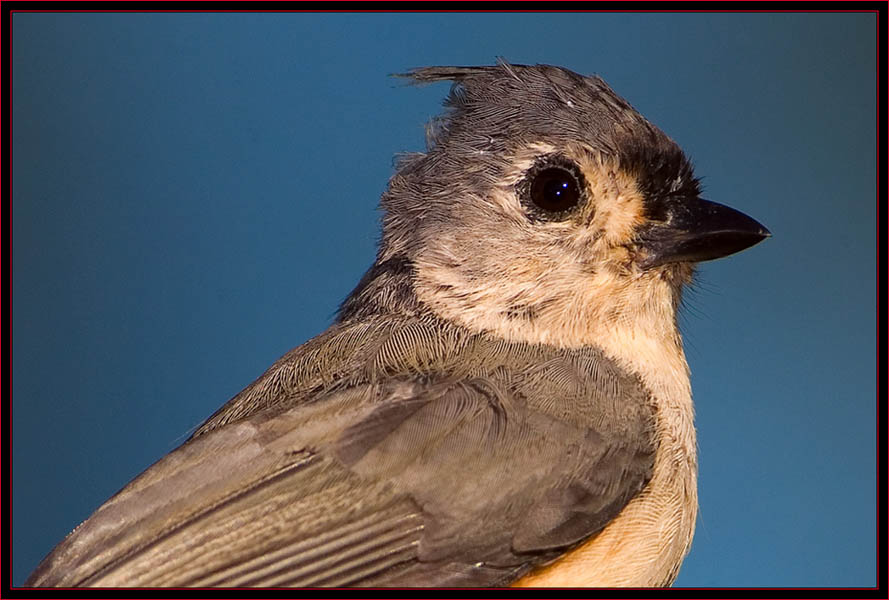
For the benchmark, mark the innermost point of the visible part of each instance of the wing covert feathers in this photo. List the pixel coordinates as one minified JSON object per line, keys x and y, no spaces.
{"x":390,"y":452}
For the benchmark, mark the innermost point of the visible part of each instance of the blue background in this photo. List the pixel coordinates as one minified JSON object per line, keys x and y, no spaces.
{"x":194,"y":194}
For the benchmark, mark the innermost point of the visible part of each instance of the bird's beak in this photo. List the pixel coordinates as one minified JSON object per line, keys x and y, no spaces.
{"x":693,"y":230}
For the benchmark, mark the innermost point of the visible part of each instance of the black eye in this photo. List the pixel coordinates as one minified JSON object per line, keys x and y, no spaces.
{"x":553,"y":188}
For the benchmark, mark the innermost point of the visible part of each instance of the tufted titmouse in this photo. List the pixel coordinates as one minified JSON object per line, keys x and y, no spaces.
{"x":504,"y":397}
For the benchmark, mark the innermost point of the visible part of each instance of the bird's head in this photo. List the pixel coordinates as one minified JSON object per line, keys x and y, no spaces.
{"x":546,"y":207}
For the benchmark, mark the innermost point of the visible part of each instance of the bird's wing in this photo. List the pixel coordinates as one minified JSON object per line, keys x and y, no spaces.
{"x":433,"y":481}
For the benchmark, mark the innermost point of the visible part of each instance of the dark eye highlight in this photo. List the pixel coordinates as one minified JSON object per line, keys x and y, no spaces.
{"x":553,"y":188}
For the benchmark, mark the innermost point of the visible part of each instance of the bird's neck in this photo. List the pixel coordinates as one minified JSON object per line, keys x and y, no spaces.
{"x":632,"y":320}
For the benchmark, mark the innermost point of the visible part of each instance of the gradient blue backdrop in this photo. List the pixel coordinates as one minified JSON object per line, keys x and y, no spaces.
{"x":194,"y":194}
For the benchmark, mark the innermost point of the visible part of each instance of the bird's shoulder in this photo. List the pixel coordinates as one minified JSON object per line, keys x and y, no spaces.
{"x":578,"y":385}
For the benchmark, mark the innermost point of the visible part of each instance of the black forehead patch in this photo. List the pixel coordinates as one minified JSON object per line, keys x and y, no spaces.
{"x":491,"y":107}
{"x":661,"y":170}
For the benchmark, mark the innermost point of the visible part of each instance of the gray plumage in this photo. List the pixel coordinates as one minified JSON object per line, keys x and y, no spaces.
{"x":414,"y":450}
{"x":459,"y":424}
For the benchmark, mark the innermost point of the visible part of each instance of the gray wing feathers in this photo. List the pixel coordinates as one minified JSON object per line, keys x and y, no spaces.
{"x":420,"y":456}
{"x":251,"y":504}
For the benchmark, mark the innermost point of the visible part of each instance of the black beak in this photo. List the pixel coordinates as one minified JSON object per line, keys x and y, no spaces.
{"x":694,"y":230}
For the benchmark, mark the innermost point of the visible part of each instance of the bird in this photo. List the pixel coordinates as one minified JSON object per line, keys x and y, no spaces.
{"x":503,"y":400}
